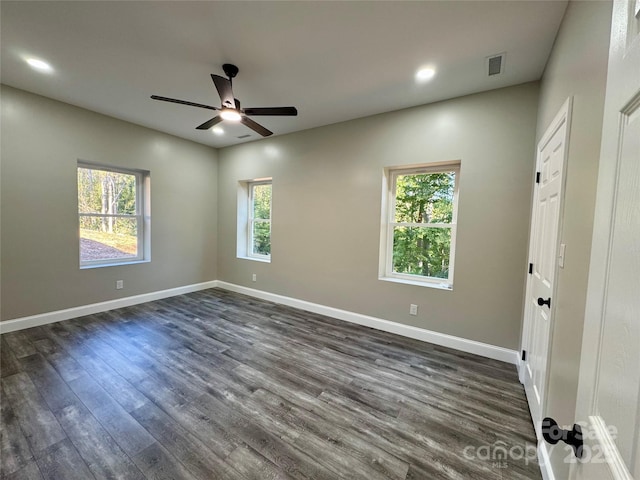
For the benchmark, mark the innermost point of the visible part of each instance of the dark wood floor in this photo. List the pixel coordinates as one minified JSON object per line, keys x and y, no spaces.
{"x":216,"y":385}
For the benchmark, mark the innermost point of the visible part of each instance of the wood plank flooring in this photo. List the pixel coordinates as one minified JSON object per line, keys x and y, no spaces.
{"x":216,"y":385}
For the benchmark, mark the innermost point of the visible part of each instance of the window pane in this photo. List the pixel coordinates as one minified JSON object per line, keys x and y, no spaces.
{"x":262,"y":238}
{"x":421,"y":251}
{"x":262,"y":201}
{"x":105,"y":192}
{"x":108,"y":238}
{"x":424,"y":198}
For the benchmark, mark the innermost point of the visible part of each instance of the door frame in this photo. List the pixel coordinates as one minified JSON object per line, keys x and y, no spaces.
{"x":594,"y":321}
{"x":563,"y":117}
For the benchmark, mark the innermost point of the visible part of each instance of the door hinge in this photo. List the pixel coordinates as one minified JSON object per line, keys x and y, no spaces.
{"x":530,"y":268}
{"x":524,"y":355}
{"x":537,"y":177}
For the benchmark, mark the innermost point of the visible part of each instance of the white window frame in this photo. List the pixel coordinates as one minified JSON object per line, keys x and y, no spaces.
{"x":244,"y":246}
{"x":251,"y":221}
{"x":142,"y":217}
{"x":388,"y":224}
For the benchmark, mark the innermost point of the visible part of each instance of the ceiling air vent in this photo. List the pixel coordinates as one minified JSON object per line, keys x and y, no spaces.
{"x":495,"y":64}
{"x":244,"y":136}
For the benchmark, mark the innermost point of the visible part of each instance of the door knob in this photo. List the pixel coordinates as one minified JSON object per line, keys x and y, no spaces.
{"x":546,"y":302}
{"x":552,"y":433}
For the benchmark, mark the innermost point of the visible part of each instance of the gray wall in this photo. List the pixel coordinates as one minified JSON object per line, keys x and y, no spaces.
{"x":42,"y":140}
{"x":577,"y":67}
{"x":327,"y":185}
{"x":326,"y":220}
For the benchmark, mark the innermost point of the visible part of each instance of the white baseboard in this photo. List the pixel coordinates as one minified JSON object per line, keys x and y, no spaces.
{"x":59,"y":315}
{"x":457,"y":343}
{"x":545,"y":461}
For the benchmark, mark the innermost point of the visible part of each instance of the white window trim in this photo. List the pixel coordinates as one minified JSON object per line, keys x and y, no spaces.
{"x":142,"y":216}
{"x":244,"y":246}
{"x":388,"y":223}
{"x":251,"y":220}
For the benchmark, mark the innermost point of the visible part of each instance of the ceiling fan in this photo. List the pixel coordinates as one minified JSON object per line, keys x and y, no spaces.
{"x":230,"y":109}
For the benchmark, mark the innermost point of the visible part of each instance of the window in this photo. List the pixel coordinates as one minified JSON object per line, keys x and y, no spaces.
{"x":420,"y":225}
{"x":113,"y":215}
{"x":259,"y":219}
{"x":254,"y":220}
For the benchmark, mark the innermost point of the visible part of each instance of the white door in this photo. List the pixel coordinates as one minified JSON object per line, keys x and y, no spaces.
{"x":543,"y":249}
{"x":609,"y":389}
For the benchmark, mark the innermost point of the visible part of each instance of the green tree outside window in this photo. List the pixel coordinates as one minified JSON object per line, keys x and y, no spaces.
{"x":260,"y":211}
{"x":422,"y":222}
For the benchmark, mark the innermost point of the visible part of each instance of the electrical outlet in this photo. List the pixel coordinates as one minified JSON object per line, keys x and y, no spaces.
{"x":413,"y":309}
{"x":254,"y":277}
{"x":119,"y":284}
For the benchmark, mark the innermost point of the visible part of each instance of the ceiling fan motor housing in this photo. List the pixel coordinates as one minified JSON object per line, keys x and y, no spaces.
{"x":230,"y":70}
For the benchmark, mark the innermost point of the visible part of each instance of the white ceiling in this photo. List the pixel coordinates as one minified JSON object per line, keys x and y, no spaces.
{"x":334,"y":61}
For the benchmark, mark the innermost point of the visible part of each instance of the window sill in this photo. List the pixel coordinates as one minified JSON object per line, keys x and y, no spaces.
{"x":255,"y":259}
{"x":418,"y":283}
{"x":112,"y":264}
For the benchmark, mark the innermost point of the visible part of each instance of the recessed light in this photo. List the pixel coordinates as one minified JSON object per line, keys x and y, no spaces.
{"x":39,"y":65}
{"x":217,"y":130}
{"x":230,"y":114}
{"x":425,"y":74}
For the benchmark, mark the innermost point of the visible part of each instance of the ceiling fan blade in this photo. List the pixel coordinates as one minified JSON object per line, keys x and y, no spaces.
{"x":209,"y":123}
{"x":183,"y":102}
{"x":223,"y":85}
{"x":256,"y":127}
{"x":285,"y":111}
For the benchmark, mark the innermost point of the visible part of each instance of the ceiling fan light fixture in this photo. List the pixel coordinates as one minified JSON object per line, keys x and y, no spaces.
{"x":231,"y":115}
